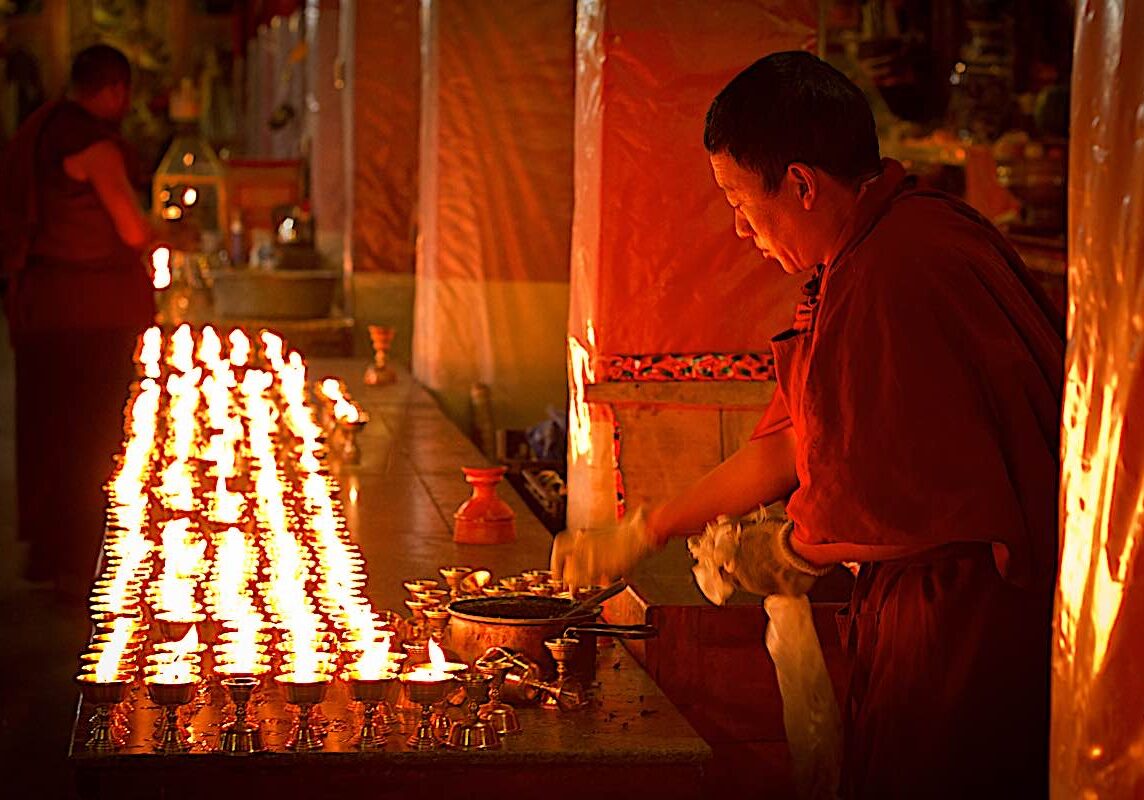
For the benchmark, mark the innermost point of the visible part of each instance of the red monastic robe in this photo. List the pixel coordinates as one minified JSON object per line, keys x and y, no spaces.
{"x":926,"y":394}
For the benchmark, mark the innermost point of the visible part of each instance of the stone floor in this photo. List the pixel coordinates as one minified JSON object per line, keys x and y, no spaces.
{"x":39,"y":641}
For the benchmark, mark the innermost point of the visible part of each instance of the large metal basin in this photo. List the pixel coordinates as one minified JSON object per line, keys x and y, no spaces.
{"x":252,"y":294}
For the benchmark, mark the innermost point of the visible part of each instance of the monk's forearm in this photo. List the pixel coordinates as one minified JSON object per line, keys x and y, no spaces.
{"x":760,"y":472}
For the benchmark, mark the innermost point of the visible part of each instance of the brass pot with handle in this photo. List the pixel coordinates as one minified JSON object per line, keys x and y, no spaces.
{"x":522,"y":622}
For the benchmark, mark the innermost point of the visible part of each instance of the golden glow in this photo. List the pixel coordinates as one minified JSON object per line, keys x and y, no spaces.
{"x":257,"y":549}
{"x":108,"y":665}
{"x":178,"y":662}
{"x":375,"y":661}
{"x":151,"y":351}
{"x":580,"y":423}
{"x":190,"y":196}
{"x":437,"y":658}
{"x":239,"y":348}
{"x":210,"y":348}
{"x":161,"y":268}
{"x":1087,"y":566}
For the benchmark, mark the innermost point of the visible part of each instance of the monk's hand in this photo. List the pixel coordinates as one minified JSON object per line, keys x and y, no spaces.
{"x":766,"y":563}
{"x":596,"y":556}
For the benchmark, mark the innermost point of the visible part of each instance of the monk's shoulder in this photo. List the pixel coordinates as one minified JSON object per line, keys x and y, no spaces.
{"x":923,"y":239}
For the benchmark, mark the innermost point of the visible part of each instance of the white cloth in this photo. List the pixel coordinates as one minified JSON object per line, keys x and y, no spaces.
{"x":810,"y":712}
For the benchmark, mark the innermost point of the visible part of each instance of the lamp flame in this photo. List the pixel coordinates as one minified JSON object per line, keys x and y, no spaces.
{"x":161,"y":267}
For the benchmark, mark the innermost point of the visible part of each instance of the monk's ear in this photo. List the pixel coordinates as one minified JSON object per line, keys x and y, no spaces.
{"x":804,"y":182}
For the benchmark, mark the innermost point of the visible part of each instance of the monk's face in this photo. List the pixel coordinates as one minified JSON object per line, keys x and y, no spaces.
{"x":776,"y":223}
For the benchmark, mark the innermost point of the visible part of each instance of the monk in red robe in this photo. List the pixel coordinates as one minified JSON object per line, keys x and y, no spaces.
{"x":915,"y":431}
{"x":77,"y":295}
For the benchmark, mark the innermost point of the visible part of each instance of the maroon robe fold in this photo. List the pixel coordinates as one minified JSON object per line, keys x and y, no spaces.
{"x":926,"y":395}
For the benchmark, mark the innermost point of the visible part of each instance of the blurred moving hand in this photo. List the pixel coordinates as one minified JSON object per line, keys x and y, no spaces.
{"x":598,"y":556}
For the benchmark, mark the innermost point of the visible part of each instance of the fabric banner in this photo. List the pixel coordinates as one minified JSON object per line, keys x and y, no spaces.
{"x":495,"y":206}
{"x":656,"y":265}
{"x":387,"y":109}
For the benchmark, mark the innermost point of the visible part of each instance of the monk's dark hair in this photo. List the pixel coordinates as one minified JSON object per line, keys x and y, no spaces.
{"x":789,"y":107}
{"x":98,"y":66}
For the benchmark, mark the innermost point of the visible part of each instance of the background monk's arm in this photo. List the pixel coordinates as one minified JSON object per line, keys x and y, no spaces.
{"x":760,"y":472}
{"x":102,"y":166}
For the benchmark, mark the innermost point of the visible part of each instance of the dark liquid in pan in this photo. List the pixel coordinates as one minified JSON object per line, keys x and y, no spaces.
{"x":513,"y":607}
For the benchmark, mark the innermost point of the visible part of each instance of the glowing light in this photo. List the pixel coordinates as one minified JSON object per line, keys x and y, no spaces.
{"x":375,"y":661}
{"x":239,"y":348}
{"x":108,"y":665}
{"x":178,"y":662}
{"x":161,"y":268}
{"x":151,"y":351}
{"x":181,"y":349}
{"x":580,"y":424}
{"x":172,"y":212}
{"x":210,"y":347}
{"x":190,"y":196}
{"x":437,"y":657}
{"x":188,"y":159}
{"x":346,"y":411}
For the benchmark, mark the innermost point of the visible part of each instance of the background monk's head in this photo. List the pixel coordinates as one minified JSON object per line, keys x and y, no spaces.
{"x":791,"y":140}
{"x":101,"y":82}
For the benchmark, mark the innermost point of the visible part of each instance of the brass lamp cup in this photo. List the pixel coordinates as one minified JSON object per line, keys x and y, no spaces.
{"x":163,"y":650}
{"x":566,"y":693}
{"x":171,"y":629}
{"x":438,"y":620}
{"x":417,"y":608}
{"x":473,"y":732}
{"x":94,"y":650}
{"x":453,"y":577}
{"x":475,"y":582}
{"x":500,"y":715}
{"x":515,"y":583}
{"x":261,"y":641}
{"x":420,"y":585}
{"x":103,"y":738}
{"x":433,"y":597}
{"x":104,"y":632}
{"x":240,"y":736}
{"x":171,"y":694}
{"x":326,"y":668}
{"x":127,"y":606}
{"x":171,"y":737}
{"x":537,"y":576}
{"x":324,"y":640}
{"x":348,"y":430}
{"x":305,"y":695}
{"x":89,"y":665}
{"x":494,"y":591}
{"x":304,"y":692}
{"x":425,"y":693}
{"x":226,"y":671}
{"x":371,"y":692}
{"x":151,"y":672}
{"x":107,"y":616}
{"x":522,"y":681}
{"x":102,"y":693}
